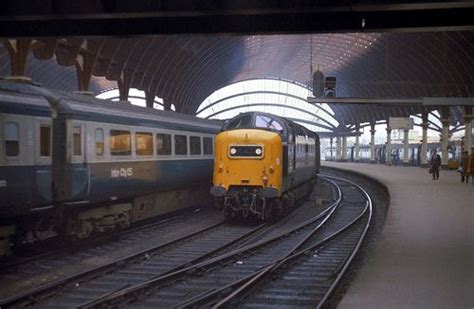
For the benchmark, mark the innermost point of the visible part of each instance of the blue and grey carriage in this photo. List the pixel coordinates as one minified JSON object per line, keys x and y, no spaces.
{"x":76,"y":164}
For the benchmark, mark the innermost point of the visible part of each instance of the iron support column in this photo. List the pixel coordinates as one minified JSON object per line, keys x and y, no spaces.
{"x":468,"y":117}
{"x":338,"y":148}
{"x":18,"y":50}
{"x":406,"y":159}
{"x":331,"y":143}
{"x":344,"y":149}
{"x":444,"y":143}
{"x":388,"y":148}
{"x":424,"y":145}
{"x":357,"y":149}
{"x":123,"y":83}
{"x":372,"y":143}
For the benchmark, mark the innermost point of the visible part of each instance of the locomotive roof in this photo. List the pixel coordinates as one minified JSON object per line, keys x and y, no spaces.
{"x":25,"y":94}
{"x":284,"y":121}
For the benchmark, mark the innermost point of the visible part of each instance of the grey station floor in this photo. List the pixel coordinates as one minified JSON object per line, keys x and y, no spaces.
{"x":425,"y":255}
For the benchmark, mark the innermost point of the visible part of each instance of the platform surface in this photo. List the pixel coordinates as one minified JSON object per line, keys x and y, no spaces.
{"x":425,"y":255}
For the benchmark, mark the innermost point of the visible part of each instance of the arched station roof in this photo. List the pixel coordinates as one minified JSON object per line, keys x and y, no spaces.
{"x":186,"y":69}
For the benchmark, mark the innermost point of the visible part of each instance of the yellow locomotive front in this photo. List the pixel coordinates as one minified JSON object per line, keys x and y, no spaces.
{"x":263,"y":164}
{"x":247,"y":172}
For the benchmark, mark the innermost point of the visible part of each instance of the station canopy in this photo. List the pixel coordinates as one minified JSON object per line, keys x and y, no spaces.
{"x":184,"y":70}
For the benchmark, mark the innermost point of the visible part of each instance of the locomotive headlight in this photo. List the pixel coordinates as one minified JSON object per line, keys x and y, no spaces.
{"x":233,"y":151}
{"x":258,"y":151}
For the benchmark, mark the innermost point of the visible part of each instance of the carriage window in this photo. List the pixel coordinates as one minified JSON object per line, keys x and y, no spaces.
{"x":76,"y":141}
{"x":144,"y":143}
{"x":180,"y":145}
{"x":163,"y":144}
{"x":195,"y":145}
{"x":207,"y":145}
{"x":99,"y":142}
{"x":45,"y":141}
{"x":269,"y":123}
{"x":120,"y":143}
{"x":12,"y":139}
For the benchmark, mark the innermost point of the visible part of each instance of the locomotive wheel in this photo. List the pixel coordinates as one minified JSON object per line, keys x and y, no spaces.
{"x":288,"y":202}
{"x":84,"y":229}
{"x":219,"y":203}
{"x":123,"y":221}
{"x":229,"y":214}
{"x":44,"y":229}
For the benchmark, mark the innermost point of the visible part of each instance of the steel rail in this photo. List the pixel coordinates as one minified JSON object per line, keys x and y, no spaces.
{"x":244,"y":284}
{"x":356,"y":249}
{"x":32,"y":294}
{"x":164,"y":279}
{"x":8,"y":265}
{"x":253,"y":278}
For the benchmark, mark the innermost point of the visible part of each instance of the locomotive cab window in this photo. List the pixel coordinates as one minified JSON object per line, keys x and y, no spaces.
{"x":45,"y":141}
{"x":180,"y":145}
{"x":12,"y":139}
{"x":268,"y":123}
{"x":144,"y":143}
{"x":76,"y":141}
{"x":99,"y":142}
{"x":163,"y":144}
{"x":195,"y":145}
{"x":207,"y":145}
{"x":120,"y":143}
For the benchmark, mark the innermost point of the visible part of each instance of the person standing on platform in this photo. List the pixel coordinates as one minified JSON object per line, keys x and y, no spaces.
{"x":435,"y":165}
{"x":463,"y":167}
{"x":470,"y":166}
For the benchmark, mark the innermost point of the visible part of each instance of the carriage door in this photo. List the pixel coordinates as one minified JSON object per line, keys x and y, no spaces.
{"x":77,"y":168}
{"x":43,"y":155}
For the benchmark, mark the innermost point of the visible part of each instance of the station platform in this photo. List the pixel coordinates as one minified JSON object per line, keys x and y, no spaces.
{"x":425,"y":255}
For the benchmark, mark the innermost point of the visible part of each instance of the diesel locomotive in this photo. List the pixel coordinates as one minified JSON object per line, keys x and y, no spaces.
{"x":262,"y":164}
{"x":73,"y":165}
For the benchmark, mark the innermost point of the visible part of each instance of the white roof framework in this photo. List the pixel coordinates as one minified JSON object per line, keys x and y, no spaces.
{"x":280,"y":97}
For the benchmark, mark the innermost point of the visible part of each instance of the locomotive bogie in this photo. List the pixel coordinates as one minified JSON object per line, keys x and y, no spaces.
{"x":7,"y":233}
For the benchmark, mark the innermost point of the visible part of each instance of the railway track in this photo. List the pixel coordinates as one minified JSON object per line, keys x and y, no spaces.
{"x":226,"y":264}
{"x":28,"y":273}
{"x":57,"y":246}
{"x":72,"y":290}
{"x":323,"y":245}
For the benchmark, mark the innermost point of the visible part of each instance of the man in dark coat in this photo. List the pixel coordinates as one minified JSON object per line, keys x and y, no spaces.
{"x":463,"y":166}
{"x":435,"y":165}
